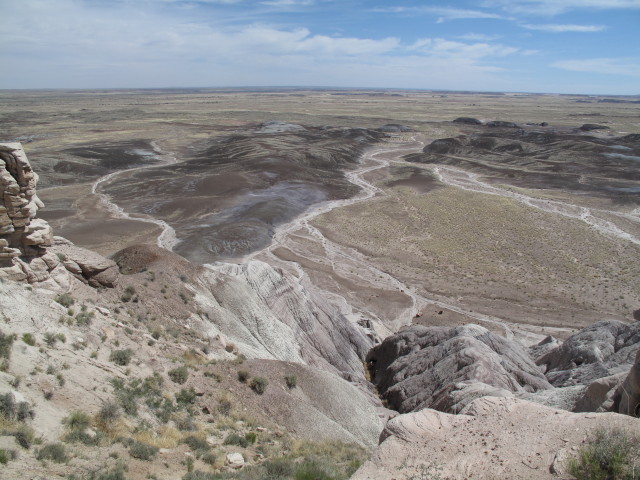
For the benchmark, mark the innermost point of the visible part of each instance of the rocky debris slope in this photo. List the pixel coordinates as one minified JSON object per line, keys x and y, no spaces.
{"x":600,"y":358}
{"x":422,"y":367}
{"x":259,"y":311}
{"x":28,"y":250}
{"x":491,"y":438}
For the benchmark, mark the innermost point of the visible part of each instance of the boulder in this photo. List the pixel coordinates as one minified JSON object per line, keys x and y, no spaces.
{"x":435,"y":367}
{"x":235,"y":460}
{"x":86,"y":265}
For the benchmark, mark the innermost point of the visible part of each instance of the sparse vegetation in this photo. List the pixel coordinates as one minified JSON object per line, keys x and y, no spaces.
{"x":259,"y":384}
{"x":54,"y":452}
{"x":179,"y":375}
{"x":128,"y":294}
{"x":6,"y":342}
{"x":243,"y":376}
{"x":7,"y":455}
{"x":142,"y":451}
{"x":29,"y":339}
{"x":235,"y":439}
{"x":65,"y":299}
{"x":291,"y":381}
{"x":121,"y":357}
{"x":608,"y":455}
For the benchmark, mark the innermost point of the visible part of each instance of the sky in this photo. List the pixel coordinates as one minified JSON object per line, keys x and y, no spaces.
{"x":546,"y":46}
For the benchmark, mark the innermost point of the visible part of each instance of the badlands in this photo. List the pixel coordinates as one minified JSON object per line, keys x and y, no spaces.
{"x":271,"y":284}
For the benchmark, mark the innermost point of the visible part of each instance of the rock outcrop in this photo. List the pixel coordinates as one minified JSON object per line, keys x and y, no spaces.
{"x":28,"y":250}
{"x":21,"y":234}
{"x":492,"y":438}
{"x":468,"y":121}
{"x":268,"y":314}
{"x":445,"y":368}
{"x":600,"y":350}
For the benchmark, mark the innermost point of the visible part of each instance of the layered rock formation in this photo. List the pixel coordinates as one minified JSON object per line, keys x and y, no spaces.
{"x":21,"y":234}
{"x":594,"y":370}
{"x":422,"y":367}
{"x":28,"y":250}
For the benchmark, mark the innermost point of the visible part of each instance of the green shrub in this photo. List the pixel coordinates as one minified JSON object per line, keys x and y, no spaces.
{"x":6,"y":342}
{"x":80,"y":436}
{"x":6,"y":455}
{"x":77,"y":420}
{"x":109,"y":412}
{"x":291,"y":381}
{"x":186,"y":396}
{"x":315,"y":469}
{"x":25,"y":436}
{"x":200,"y":475}
{"x":243,"y":375}
{"x":251,"y":437}
{"x":142,"y":451}
{"x":279,"y":468}
{"x":235,"y":439}
{"x":121,"y":357}
{"x":209,"y":458}
{"x":179,"y":375}
{"x":14,"y":411}
{"x":84,"y":318}
{"x":54,"y":452}
{"x":29,"y":339}
{"x":259,"y":384}
{"x":128,"y":294}
{"x":50,"y":339}
{"x":65,"y":299}
{"x":196,"y":443}
{"x":608,"y":455}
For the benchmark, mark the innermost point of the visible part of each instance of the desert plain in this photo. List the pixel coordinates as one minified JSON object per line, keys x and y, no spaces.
{"x":548,"y":242}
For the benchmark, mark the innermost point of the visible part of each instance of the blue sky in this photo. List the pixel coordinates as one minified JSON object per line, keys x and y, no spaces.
{"x":557,"y":46}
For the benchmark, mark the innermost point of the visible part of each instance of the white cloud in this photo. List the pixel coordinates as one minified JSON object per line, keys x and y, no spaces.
{"x":607,"y":66}
{"x":444,"y":13}
{"x":558,"y":28}
{"x":555,"y":7}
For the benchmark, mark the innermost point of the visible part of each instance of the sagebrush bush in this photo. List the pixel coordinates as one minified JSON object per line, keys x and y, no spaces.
{"x":109,"y":412}
{"x":259,"y":384}
{"x":235,"y":439}
{"x":65,"y":299}
{"x":291,"y":381}
{"x":29,"y":339}
{"x":77,"y":420}
{"x":179,"y":375}
{"x":608,"y":455}
{"x":7,"y":455}
{"x":142,"y":451}
{"x":243,"y":376}
{"x":121,"y":357}
{"x":54,"y":452}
